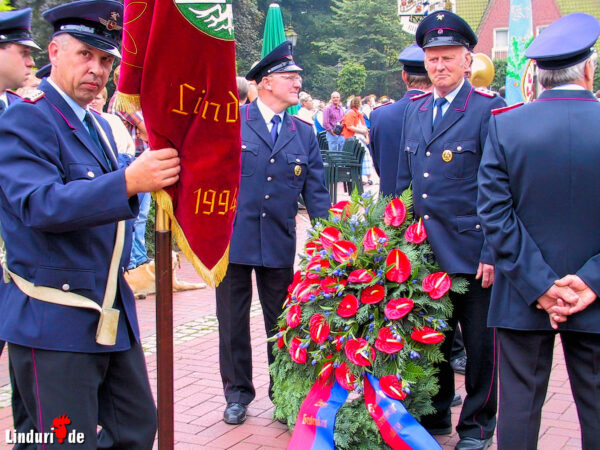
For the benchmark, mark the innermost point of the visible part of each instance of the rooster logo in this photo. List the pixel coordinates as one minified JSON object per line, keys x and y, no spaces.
{"x":59,"y":427}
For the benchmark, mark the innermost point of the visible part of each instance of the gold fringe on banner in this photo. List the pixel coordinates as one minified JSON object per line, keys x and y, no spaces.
{"x":127,"y":103}
{"x":211,"y":276}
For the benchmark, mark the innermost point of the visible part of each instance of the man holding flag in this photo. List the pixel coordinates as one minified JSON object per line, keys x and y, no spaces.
{"x":280,"y":161}
{"x":68,"y":315}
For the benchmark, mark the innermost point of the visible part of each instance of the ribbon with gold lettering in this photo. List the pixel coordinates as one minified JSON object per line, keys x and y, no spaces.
{"x":397,"y":426}
{"x":179,"y":65}
{"x":316,"y":418}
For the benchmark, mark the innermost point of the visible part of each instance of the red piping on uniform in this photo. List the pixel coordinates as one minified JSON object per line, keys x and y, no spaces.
{"x":566,"y":98}
{"x":63,"y":116}
{"x":425,"y":104}
{"x":37,"y":390}
{"x":491,"y":385}
{"x":247,"y":116}
{"x":466,"y":101}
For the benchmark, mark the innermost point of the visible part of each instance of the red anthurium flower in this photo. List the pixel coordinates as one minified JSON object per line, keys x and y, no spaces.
{"x":397,"y":308}
{"x":415,"y":233}
{"x":348,"y":306}
{"x":344,"y":377}
{"x":295,"y":281}
{"x":427,"y":336}
{"x":372,"y":294}
{"x":329,"y":236}
{"x":326,"y":370}
{"x":344,"y":251}
{"x":315,"y":267}
{"x":341,"y":208}
{"x":280,"y":341}
{"x":387,"y":343}
{"x":392,"y":387}
{"x":312,"y":247}
{"x":437,"y":284}
{"x":305,"y":289}
{"x":395,"y":213}
{"x":319,"y":328}
{"x":400,"y":270}
{"x":371,"y":239}
{"x":339,"y":343}
{"x":330,"y":285}
{"x":359,"y":352}
{"x":360,"y":276}
{"x":294,"y":315}
{"x":297,"y":353}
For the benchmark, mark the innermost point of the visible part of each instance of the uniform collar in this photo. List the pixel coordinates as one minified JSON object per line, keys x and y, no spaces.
{"x":569,"y":87}
{"x":4,"y":98}
{"x":450,"y":97}
{"x":266,"y":112}
{"x":77,"y":109}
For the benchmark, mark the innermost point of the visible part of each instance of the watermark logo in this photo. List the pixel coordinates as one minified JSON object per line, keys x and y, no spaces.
{"x":58,"y":433}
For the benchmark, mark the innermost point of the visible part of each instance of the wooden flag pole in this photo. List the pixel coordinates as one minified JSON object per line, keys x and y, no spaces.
{"x":164,"y":330}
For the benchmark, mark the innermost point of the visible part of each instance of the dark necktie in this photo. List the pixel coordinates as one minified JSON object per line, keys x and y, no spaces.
{"x":439,"y":103}
{"x":2,"y":106}
{"x":94,"y":135}
{"x":274,"y":130}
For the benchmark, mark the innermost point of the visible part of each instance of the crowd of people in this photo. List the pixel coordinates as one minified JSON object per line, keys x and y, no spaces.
{"x":507,"y":195}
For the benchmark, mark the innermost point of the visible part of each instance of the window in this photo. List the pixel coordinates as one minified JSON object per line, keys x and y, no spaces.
{"x":500,"y":48}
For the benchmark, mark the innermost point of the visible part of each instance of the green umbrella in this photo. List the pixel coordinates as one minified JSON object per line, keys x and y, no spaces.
{"x":274,"y":33}
{"x":273,"y":36}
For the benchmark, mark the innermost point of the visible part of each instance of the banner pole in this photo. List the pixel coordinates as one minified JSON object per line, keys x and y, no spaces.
{"x":164,"y":330}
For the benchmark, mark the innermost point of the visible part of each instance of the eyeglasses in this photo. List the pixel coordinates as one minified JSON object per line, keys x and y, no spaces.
{"x":293,"y":78}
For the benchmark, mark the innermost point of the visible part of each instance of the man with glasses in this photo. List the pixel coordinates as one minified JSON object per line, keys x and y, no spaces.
{"x":280,"y":161}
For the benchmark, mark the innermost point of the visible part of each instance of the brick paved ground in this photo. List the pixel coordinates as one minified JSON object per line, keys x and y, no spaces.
{"x":199,"y":399}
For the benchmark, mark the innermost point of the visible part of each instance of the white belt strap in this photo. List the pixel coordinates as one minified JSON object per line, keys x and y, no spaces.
{"x":106,"y":333}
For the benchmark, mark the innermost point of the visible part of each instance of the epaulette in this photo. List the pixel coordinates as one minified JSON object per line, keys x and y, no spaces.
{"x":33,"y":95}
{"x":486,"y":92}
{"x":497,"y":111}
{"x":417,"y":97}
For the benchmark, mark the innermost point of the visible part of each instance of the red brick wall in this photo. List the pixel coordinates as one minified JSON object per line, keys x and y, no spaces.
{"x":544,"y":13}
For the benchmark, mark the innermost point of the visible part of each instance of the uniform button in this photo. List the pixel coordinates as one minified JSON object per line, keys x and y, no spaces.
{"x":428,"y":153}
{"x":66,"y":287}
{"x":272,"y":160}
{"x":243,"y":146}
{"x":407,"y":147}
{"x":297,"y":160}
{"x":269,"y":178}
{"x":478,"y":227}
{"x":267,"y":197}
{"x":426,"y":217}
{"x":424,"y":195}
{"x":264,"y":214}
{"x":426,"y":174}
{"x":91,"y":174}
{"x":459,"y":148}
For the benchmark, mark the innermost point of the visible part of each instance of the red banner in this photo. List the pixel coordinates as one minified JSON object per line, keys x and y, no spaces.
{"x":179,"y":64}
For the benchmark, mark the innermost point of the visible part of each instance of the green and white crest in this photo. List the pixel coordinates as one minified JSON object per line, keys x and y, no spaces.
{"x":213,"y":17}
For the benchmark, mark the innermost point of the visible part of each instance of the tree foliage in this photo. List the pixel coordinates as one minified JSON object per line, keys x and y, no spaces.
{"x":248,"y":20}
{"x":351,"y":80}
{"x":5,"y":5}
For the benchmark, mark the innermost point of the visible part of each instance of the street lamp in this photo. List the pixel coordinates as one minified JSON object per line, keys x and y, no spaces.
{"x":291,"y":35}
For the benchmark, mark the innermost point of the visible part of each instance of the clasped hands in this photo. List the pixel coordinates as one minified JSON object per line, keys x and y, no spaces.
{"x":566,"y":296}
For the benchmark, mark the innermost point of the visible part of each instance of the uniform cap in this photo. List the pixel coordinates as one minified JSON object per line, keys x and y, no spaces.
{"x":566,"y":42}
{"x":15,"y":26}
{"x":445,"y":28}
{"x":44,"y":71}
{"x":413,"y":59}
{"x":279,"y":60}
{"x":98,"y":23}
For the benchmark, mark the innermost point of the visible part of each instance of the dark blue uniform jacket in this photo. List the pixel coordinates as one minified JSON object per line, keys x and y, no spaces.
{"x":443,"y":169}
{"x":539,"y":203}
{"x":59,"y":207}
{"x":385,"y":134}
{"x":264,"y":231}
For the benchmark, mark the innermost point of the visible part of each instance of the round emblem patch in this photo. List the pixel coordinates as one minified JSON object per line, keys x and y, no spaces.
{"x":447,"y":155}
{"x":298,"y":171}
{"x":213,"y":17}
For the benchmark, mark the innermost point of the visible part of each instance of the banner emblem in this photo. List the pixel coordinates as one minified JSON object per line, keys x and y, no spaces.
{"x":213,"y":17}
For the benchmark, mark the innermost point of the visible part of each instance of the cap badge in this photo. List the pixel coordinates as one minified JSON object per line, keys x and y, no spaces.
{"x":111,"y":24}
{"x":440,"y":17}
{"x":440,"y":31}
{"x":298,"y":171}
{"x":447,"y":155}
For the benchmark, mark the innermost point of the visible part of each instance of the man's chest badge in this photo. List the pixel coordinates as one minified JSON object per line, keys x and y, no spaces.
{"x":447,"y":155}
